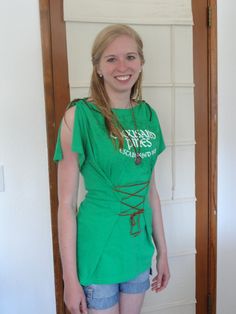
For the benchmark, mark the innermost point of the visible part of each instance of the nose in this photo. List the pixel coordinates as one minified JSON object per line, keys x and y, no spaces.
{"x":122,"y":65}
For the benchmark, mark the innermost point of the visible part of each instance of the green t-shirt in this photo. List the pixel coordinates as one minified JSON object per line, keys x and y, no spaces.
{"x":114,"y":221}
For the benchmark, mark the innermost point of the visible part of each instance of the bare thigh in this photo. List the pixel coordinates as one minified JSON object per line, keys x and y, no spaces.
{"x":131,"y":302}
{"x":113,"y":310}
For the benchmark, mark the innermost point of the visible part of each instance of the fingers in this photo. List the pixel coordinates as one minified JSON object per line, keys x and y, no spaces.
{"x":74,"y":310}
{"x":160,"y":282}
{"x":156,"y":283}
{"x":165,"y":280}
{"x":75,"y":298}
{"x":83,"y":306}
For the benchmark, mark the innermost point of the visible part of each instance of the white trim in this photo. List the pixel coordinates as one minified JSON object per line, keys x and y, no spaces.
{"x":77,"y":84}
{"x":182,"y":253}
{"x":179,"y":201}
{"x":132,"y":21}
{"x":181,"y":143}
{"x":173,"y":84}
{"x":153,"y":309}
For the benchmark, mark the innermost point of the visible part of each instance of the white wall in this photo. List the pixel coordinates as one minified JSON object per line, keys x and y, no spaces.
{"x":26,"y":262}
{"x":226,"y":300}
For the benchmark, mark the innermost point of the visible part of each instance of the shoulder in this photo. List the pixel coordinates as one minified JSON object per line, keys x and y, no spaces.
{"x":68,"y":118}
{"x":74,"y":111}
{"x":150,"y":110}
{"x":76,"y":103}
{"x":148,"y":105}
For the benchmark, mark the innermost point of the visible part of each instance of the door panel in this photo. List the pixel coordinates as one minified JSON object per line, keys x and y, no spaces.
{"x":168,"y":86}
{"x":168,"y":72}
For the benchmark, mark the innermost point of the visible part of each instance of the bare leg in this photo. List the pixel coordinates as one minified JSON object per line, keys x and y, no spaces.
{"x":111,"y":310}
{"x":131,"y":303}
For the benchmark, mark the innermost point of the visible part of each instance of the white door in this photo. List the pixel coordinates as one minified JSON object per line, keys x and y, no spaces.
{"x":166,"y":29}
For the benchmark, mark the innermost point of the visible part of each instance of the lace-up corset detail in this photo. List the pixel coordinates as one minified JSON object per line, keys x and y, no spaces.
{"x":134,"y":211}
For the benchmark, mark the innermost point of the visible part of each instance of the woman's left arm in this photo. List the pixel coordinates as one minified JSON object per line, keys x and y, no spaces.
{"x":160,"y":281}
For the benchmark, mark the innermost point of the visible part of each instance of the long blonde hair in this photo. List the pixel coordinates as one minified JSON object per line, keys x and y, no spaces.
{"x":98,"y":92}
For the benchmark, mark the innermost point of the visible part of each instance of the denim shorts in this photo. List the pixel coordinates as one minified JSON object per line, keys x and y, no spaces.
{"x":102,"y":296}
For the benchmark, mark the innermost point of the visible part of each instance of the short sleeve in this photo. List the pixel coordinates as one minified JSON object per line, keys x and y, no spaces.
{"x":160,"y":140}
{"x":78,"y":140}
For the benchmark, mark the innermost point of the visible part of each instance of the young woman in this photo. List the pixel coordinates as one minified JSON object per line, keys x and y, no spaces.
{"x":113,"y":138}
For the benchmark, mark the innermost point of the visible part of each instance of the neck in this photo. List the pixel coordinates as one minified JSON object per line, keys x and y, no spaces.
{"x":122,"y":105}
{"x":120,"y":101}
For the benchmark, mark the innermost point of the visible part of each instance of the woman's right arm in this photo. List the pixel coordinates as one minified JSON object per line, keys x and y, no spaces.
{"x":68,"y":177}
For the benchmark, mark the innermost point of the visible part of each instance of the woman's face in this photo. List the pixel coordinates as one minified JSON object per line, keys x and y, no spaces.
{"x":120,"y":65}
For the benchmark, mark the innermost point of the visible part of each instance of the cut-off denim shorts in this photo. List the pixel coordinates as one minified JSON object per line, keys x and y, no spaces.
{"x":102,"y":296}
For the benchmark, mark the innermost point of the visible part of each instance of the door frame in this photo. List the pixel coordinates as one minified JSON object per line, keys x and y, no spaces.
{"x":56,"y":89}
{"x":205,"y":97}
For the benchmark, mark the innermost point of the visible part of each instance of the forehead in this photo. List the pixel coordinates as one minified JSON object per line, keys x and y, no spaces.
{"x":121,"y":44}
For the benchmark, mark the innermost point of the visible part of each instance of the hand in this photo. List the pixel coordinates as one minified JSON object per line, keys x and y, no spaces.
{"x":160,"y":281}
{"x":74,"y":298}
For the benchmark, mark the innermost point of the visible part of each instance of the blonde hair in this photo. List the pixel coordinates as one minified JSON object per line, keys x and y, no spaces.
{"x":98,"y":92}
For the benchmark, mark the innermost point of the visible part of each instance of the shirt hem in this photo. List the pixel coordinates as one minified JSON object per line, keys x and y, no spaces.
{"x":114,"y":280}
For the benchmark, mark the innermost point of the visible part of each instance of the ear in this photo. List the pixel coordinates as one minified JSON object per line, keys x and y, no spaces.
{"x":98,"y":71}
{"x":141,"y":66}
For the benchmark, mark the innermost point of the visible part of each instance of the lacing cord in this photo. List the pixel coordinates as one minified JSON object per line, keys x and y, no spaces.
{"x":135,"y":228}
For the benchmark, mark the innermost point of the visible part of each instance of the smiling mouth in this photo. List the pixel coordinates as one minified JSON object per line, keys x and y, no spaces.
{"x":123,"y":77}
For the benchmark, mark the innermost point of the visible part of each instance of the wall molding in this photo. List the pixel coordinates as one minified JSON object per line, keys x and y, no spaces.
{"x":80,"y":84}
{"x":178,"y":201}
{"x":179,"y":303}
{"x":180,"y":143}
{"x":134,"y":21}
{"x":172,"y":255}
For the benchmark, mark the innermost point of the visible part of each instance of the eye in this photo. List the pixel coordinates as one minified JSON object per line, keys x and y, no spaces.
{"x":111,"y":60}
{"x":131,"y":57}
